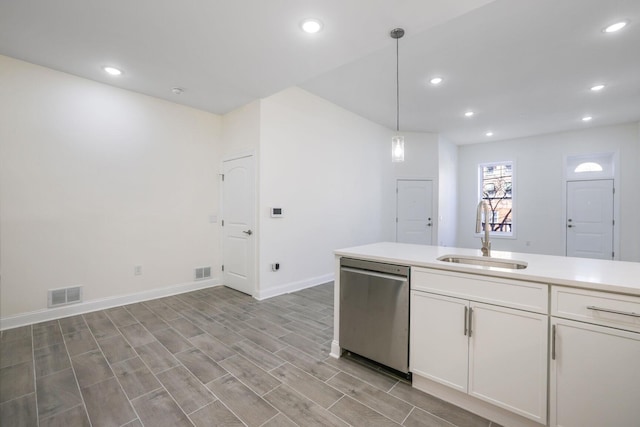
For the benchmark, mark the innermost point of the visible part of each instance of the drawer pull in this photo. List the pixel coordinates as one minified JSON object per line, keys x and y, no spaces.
{"x":608,"y":310}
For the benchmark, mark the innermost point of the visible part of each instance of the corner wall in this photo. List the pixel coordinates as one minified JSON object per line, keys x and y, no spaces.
{"x":448,"y":193}
{"x":95,"y":180}
{"x":326,"y":168}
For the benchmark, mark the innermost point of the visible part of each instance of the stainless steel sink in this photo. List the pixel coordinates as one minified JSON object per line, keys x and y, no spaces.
{"x":485,"y":261}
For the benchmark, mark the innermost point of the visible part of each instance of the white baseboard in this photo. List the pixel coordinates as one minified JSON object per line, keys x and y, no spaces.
{"x":293,"y":287}
{"x":100,"y":304}
{"x":336,"y":351}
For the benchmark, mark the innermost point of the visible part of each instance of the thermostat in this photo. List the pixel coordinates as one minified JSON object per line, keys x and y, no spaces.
{"x":276,"y":213}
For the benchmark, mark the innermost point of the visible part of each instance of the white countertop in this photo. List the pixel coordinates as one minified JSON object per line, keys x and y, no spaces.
{"x":611,"y":276}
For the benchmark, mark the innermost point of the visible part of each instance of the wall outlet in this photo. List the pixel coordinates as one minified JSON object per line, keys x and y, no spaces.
{"x":137,"y":270}
{"x":275,"y":266}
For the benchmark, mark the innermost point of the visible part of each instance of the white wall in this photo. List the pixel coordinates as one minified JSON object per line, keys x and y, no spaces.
{"x":539,"y":187}
{"x":326,"y":167}
{"x":420,"y":162}
{"x":420,"y":157}
{"x":241,"y":130}
{"x":448,"y":193}
{"x":95,"y":180}
{"x":634,"y":227}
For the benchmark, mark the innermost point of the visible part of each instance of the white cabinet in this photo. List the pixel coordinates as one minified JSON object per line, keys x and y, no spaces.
{"x":594,"y":369}
{"x":508,"y":359}
{"x":494,"y":353}
{"x":439,"y":345}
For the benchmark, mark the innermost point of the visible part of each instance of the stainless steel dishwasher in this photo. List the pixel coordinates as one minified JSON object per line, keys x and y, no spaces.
{"x":374,"y":312}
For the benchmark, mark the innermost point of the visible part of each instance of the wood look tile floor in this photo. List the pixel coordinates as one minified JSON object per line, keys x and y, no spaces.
{"x":213,"y":357}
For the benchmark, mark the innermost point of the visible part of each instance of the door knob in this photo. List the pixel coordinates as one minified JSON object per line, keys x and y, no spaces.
{"x":248,"y":232}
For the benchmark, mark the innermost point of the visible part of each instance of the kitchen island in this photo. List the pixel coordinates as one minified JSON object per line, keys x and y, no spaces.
{"x":555,"y":343}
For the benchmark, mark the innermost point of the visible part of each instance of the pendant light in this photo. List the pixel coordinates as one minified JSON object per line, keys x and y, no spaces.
{"x":397,"y":141}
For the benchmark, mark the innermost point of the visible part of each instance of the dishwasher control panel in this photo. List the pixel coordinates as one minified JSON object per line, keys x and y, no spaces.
{"x":399,"y":270}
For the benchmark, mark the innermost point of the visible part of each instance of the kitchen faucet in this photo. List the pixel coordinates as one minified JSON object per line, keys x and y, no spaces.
{"x":486,"y":243}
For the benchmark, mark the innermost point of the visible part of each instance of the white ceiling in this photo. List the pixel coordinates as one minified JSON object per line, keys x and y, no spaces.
{"x":524,"y":66}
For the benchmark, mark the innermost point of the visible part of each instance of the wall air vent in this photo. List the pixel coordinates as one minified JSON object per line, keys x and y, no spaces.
{"x":64,"y":296}
{"x":202,"y":273}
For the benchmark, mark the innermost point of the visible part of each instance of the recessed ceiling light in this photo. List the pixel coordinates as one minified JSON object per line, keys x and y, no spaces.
{"x":587,"y":118}
{"x":469,"y":114}
{"x":311,"y":26}
{"x":597,"y":88}
{"x":615,"y":27}
{"x":112,"y":71}
{"x":177,"y":90}
{"x":489,"y":133}
{"x":436,"y":80}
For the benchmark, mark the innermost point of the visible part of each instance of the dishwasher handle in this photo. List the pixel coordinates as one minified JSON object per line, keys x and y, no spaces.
{"x":375,"y":274}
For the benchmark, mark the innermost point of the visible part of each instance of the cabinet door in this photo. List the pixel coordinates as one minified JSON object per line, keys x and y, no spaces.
{"x":595,"y":376}
{"x":508,"y":359}
{"x":438,"y":347}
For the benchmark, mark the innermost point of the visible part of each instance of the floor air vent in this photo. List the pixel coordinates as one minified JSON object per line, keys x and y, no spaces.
{"x":65,"y":296}
{"x":203,"y":273}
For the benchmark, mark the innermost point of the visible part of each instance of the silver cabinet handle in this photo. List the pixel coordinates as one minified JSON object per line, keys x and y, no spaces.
{"x":470,"y":320}
{"x":553,"y":342}
{"x":248,"y":232}
{"x":608,"y":310}
{"x":466,"y":314}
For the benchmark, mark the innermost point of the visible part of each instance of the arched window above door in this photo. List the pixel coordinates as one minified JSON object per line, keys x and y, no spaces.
{"x":590,"y":166}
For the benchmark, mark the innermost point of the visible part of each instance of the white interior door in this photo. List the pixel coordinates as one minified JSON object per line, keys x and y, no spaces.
{"x":238,"y":230}
{"x":590,"y":219}
{"x":414,"y":217}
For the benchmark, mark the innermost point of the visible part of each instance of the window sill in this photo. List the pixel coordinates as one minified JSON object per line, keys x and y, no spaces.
{"x":508,"y":236}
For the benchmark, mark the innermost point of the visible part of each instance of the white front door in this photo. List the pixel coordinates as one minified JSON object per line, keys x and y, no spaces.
{"x":238,"y":228}
{"x":414,"y":217}
{"x":590,"y":219}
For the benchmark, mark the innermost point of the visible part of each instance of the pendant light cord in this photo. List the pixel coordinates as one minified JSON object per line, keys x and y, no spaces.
{"x":397,"y":85}
{"x":397,"y":34}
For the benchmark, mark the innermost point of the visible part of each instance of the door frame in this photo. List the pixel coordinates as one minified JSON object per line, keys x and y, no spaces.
{"x":616,"y":213}
{"x":613,"y":173}
{"x":256,"y":225}
{"x":434,"y":204}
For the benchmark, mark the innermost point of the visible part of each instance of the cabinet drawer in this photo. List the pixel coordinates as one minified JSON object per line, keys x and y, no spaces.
{"x":518,"y":294}
{"x":601,"y":308}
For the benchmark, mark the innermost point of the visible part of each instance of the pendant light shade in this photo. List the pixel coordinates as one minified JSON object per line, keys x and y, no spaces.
{"x":397,"y":148}
{"x":397,"y":141}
